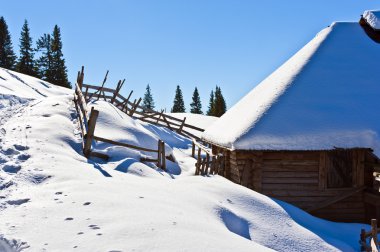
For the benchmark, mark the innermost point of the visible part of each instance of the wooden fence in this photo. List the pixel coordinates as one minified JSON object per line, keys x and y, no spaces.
{"x":208,"y":165}
{"x":373,"y":244}
{"x":87,"y":123}
{"x":135,"y":109}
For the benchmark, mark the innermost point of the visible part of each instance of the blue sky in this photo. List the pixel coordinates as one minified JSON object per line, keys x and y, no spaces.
{"x":233,"y":44}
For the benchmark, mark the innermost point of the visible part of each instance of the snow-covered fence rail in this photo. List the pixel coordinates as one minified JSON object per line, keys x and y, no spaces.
{"x":210,"y":164}
{"x":372,"y":235}
{"x":135,"y":110}
{"x":87,"y":122}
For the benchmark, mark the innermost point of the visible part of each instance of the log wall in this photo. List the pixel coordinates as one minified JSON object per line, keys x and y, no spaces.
{"x":300,"y":178}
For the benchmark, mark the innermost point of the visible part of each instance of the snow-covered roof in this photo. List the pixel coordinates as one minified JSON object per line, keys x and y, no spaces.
{"x":327,"y":95}
{"x":373,"y":18}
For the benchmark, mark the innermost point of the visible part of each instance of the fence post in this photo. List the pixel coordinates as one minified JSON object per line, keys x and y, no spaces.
{"x":135,"y":107}
{"x":159,"y":154}
{"x":207,"y":162}
{"x":193,"y":149}
{"x":180,"y":127}
{"x":198,"y":164}
{"x":163,"y":157}
{"x":374,"y":231}
{"x":90,"y":132}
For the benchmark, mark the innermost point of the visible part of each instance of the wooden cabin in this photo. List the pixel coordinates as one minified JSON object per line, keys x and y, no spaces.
{"x":309,"y":134}
{"x":333,"y":184}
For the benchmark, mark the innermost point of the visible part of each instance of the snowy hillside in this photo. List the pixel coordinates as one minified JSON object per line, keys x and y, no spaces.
{"x":54,"y":199}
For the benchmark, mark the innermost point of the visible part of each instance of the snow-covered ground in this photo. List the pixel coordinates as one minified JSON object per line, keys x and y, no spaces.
{"x":54,"y":199}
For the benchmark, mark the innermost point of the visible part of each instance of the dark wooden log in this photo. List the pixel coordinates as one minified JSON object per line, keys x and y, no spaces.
{"x":133,"y":110}
{"x":181,"y":126}
{"x":207,"y":163}
{"x":163,"y":157}
{"x":159,"y":155}
{"x":105,"y":140}
{"x":198,"y":164}
{"x":90,"y":132}
{"x":374,"y":234}
{"x":193,"y":149}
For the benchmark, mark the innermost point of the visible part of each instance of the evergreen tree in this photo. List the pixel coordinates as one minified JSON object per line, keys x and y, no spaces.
{"x":45,"y":61}
{"x":178,"y":104}
{"x":59,"y":70}
{"x":211,"y":107}
{"x":26,"y":62}
{"x":196,"y":105}
{"x":219,"y":103}
{"x":7,"y":56}
{"x":148,"y":101}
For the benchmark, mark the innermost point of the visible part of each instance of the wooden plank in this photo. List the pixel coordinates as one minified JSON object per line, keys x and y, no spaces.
{"x":133,"y":110}
{"x":257,"y":173}
{"x":198,"y":164}
{"x":337,"y":198}
{"x":99,"y":155}
{"x":181,"y":126}
{"x":123,"y":144}
{"x":290,"y":180}
{"x":193,"y":149}
{"x":90,"y":133}
{"x":290,"y":174}
{"x":159,"y":156}
{"x":105,"y":89}
{"x":163,"y":157}
{"x":148,"y":160}
{"x":322,"y":171}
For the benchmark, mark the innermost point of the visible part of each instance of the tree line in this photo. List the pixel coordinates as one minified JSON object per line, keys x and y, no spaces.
{"x":44,"y":61}
{"x":216,"y":107}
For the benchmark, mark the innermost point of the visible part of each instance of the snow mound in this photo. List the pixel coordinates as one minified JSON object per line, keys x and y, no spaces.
{"x":323,"y":97}
{"x":373,"y":18}
{"x":21,"y":85}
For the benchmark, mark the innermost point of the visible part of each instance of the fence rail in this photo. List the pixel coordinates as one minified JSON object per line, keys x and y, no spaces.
{"x":136,"y":110}
{"x":373,"y":245}
{"x":87,"y":123}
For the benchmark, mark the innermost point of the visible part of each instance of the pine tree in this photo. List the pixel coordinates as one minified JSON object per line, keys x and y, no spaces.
{"x":45,"y":61}
{"x":59,"y":70}
{"x":148,"y":101}
{"x":26,"y":62}
{"x":211,"y":107}
{"x":178,"y":104}
{"x":7,"y":56}
{"x":219,"y":103}
{"x":196,"y":105}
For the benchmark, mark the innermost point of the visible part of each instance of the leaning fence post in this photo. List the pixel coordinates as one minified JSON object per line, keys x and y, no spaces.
{"x":90,"y":131}
{"x":180,"y":127}
{"x":163,"y":157}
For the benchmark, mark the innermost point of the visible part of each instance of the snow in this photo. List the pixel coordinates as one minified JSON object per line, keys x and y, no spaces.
{"x":373,"y":18}
{"x":54,"y":199}
{"x":325,"y":96}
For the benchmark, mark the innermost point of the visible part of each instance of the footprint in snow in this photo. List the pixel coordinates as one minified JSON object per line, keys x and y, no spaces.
{"x":80,"y":233}
{"x":99,"y":234}
{"x":11,"y":168}
{"x":23,"y":157}
{"x":94,"y":226}
{"x":58,"y":193}
{"x":86,"y":204}
{"x":20,"y":147}
{"x":69,"y":218}
{"x":17,"y":202}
